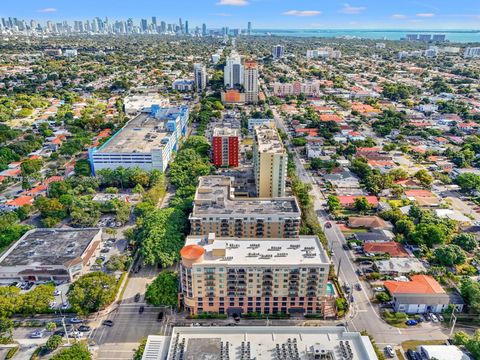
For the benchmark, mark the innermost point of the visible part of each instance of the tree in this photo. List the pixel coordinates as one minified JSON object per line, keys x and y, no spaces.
{"x":92,"y":292}
{"x":118,"y":262}
{"x":361,"y":204}
{"x":77,"y":351}
{"x":404,"y":226}
{"x":449,"y":255}
{"x":299,"y":141}
{"x":163,"y":290}
{"x":82,"y":168}
{"x":428,"y":234}
{"x":467,"y":242}
{"x":398,"y":174}
{"x":6,"y":330}
{"x":471,"y":343}
{"x":53,"y":342}
{"x":161,"y":236}
{"x":470,"y":290}
{"x":468,"y":182}
{"x":424,"y":177}
{"x":38,"y":300}
{"x":383,"y":297}
{"x":333,"y":203}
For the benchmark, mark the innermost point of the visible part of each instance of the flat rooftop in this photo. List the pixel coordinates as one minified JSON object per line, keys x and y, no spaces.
{"x":304,"y":250}
{"x":268,"y":140}
{"x":269,"y":343}
{"x":49,"y":247}
{"x":142,"y":134}
{"x":214,"y":195}
{"x":225,"y":131}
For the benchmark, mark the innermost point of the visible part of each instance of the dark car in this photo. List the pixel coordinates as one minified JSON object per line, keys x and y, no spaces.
{"x":160,"y":316}
{"x":358,"y":287}
{"x":346,"y":247}
{"x":84,"y":328}
{"x":107,"y":323}
{"x":137,"y":297}
{"x":29,"y":285}
{"x":328,"y":224}
{"x":141,"y":309}
{"x":60,"y":332}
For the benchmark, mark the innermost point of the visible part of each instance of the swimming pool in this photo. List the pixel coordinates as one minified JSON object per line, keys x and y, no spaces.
{"x":330,"y":289}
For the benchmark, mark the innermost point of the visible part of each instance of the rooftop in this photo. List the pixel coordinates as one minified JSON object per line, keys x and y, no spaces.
{"x":392,"y":248}
{"x":268,"y":140}
{"x":419,"y":284}
{"x":214,"y":195}
{"x":403,"y":265}
{"x":262,"y":343}
{"x":304,"y":250}
{"x":224,"y":131}
{"x":142,"y":134}
{"x":36,"y":247}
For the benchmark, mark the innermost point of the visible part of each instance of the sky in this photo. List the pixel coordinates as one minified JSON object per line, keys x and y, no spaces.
{"x":264,"y":14}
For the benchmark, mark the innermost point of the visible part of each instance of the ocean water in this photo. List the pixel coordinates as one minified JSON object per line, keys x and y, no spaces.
{"x":460,"y":36}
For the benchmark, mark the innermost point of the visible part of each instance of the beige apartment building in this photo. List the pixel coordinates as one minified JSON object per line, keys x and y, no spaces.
{"x":234,"y":276}
{"x":269,"y":162}
{"x":216,"y":210}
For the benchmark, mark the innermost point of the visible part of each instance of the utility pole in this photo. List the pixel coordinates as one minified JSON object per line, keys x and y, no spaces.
{"x":339,"y":265}
{"x":63,"y":320}
{"x":453,"y":321}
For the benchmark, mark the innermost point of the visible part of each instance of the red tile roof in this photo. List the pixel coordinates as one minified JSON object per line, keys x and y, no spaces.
{"x":419,"y":193}
{"x":419,"y":284}
{"x":350,"y":199}
{"x":389,"y":247}
{"x":21,"y":200}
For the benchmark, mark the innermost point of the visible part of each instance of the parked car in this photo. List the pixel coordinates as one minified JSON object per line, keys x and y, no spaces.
{"x":411,"y":355}
{"x":378,"y":289}
{"x":57,"y":292}
{"x":37,"y":334}
{"x":411,"y":322}
{"x":141,"y":309}
{"x":53,"y":304}
{"x":84,"y":328}
{"x":358,"y":287}
{"x":434,"y":318}
{"x":160,"y":316}
{"x":389,"y":351}
{"x":440,"y":317}
{"x":346,"y":247}
{"x":76,"y":320}
{"x":107,"y":323}
{"x":137,"y":297}
{"x":65,"y":305}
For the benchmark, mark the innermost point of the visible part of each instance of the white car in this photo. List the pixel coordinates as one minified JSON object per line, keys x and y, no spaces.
{"x":37,"y":334}
{"x":76,"y":334}
{"x":389,"y":351}
{"x":53,"y":305}
{"x":76,"y":320}
{"x":65,"y":306}
{"x":378,"y":289}
{"x":57,"y":292}
{"x":434,"y":318}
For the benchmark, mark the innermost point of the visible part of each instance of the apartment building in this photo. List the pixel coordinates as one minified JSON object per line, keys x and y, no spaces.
{"x":235,"y":276}
{"x":251,"y":82}
{"x":278,"y":51}
{"x":216,"y":210}
{"x":309,"y":88}
{"x":269,"y":162}
{"x":225,"y":147}
{"x":233,"y":72}
{"x":200,"y":74}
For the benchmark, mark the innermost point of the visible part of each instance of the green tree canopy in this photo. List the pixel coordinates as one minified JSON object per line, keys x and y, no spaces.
{"x":163,"y":290}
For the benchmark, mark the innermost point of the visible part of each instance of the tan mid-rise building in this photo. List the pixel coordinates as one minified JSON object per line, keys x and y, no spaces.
{"x":235,"y":276}
{"x":216,"y":210}
{"x":269,"y":162}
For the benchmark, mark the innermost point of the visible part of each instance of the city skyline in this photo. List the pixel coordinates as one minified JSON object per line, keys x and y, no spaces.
{"x":304,"y":14}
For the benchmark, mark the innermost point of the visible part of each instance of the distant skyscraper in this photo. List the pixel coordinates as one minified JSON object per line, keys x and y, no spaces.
{"x":186,"y":28}
{"x":180,"y":24}
{"x":163,"y":26}
{"x":143,"y":25}
{"x":204,"y":30}
{"x":251,"y":82}
{"x":249,"y":28}
{"x":278,"y":51}
{"x":200,"y":74}
{"x":154,"y":21}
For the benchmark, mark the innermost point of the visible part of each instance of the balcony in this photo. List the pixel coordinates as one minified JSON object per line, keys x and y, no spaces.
{"x":311,"y":293}
{"x":210,"y":283}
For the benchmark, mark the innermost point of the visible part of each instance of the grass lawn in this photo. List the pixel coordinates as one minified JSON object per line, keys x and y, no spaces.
{"x":355,"y":231}
{"x":413,"y":344}
{"x":399,"y":355}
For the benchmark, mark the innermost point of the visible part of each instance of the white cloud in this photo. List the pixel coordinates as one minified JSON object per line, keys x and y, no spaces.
{"x":233,"y":2}
{"x":47,"y":10}
{"x":399,"y":16}
{"x":302,"y":13}
{"x":351,"y":10}
{"x":426,"y":15}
